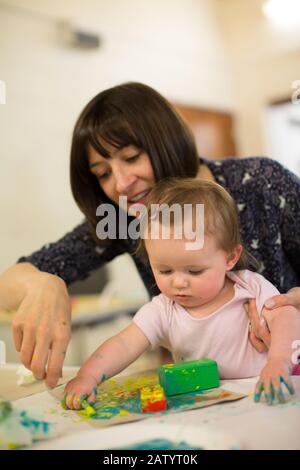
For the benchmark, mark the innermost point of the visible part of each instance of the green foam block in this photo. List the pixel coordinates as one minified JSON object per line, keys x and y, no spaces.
{"x":187,"y":377}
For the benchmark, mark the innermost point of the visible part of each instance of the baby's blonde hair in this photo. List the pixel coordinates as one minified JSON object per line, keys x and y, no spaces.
{"x":221,"y":219}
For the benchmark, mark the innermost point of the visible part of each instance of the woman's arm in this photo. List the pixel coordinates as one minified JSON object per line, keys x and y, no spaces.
{"x":288,"y":203}
{"x":109,"y":359}
{"x":286,"y":197}
{"x":36,"y":289}
{"x":14,"y":283}
{"x":74,"y":256}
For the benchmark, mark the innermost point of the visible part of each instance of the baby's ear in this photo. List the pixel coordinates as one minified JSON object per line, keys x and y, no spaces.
{"x":234,"y":256}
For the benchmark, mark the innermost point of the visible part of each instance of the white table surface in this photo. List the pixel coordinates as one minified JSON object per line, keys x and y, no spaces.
{"x":243,"y":424}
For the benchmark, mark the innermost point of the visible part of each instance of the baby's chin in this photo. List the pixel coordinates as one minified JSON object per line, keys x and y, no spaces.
{"x":187,"y":301}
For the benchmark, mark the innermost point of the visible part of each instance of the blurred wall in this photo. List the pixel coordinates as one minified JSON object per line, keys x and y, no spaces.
{"x":265,"y":60}
{"x":175,"y":46}
{"x":216,"y":54}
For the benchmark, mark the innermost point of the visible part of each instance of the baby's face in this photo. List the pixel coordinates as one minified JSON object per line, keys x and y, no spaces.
{"x":191,"y":278}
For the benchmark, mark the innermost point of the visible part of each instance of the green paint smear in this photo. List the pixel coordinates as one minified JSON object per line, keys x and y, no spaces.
{"x":160,"y":444}
{"x":117,"y":407}
{"x":5,"y":410}
{"x":114,"y":407}
{"x":117,"y":399}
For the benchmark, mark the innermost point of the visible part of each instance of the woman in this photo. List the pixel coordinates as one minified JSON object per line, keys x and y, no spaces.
{"x":127,"y":138}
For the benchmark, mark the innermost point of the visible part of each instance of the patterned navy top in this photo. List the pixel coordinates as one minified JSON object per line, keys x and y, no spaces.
{"x":268,"y":200}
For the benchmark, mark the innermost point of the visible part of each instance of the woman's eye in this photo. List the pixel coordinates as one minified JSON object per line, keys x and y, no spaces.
{"x":103,"y":176}
{"x":133,"y":158}
{"x":195,"y":273}
{"x":165,"y":272}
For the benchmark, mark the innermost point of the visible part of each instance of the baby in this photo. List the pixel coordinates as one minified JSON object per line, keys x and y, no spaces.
{"x":204,"y":285}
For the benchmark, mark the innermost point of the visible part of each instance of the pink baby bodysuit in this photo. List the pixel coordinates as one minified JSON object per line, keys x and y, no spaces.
{"x":222,"y":335}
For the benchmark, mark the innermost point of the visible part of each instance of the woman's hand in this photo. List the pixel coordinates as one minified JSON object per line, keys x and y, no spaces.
{"x":80,"y":389}
{"x":42,"y":326}
{"x":292,"y":297}
{"x":276,"y":372}
{"x":259,"y":334}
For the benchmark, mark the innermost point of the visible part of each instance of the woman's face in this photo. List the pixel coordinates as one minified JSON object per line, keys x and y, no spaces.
{"x":127,"y":172}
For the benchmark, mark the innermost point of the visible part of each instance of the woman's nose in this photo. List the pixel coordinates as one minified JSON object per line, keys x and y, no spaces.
{"x":124,"y":181}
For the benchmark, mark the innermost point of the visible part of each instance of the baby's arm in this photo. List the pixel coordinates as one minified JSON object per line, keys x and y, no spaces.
{"x":284,"y":325}
{"x":114,"y":355}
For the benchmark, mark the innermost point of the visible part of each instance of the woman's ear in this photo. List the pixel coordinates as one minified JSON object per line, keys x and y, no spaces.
{"x":234,"y":256}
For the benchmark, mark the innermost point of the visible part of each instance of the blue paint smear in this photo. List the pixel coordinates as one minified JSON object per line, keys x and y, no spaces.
{"x":33,"y":425}
{"x":160,"y":444}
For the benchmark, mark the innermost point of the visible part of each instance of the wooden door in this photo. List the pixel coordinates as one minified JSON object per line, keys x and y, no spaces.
{"x":213,"y":131}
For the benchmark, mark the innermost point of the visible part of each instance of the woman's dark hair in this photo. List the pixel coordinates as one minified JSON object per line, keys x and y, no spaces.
{"x":129,"y":114}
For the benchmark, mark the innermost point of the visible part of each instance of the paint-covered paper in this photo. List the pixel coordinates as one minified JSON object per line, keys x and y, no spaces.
{"x":19,"y":428}
{"x":118,"y":400}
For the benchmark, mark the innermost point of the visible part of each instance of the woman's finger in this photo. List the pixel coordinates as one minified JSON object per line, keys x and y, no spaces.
{"x":254,"y":319}
{"x":263,"y":333}
{"x":55,"y":363}
{"x":17,"y":334}
{"x":258,"y":325}
{"x":40,"y":357}
{"x":252,"y":313}
{"x":257,"y":343}
{"x":64,"y":401}
{"x":292,"y":297}
{"x":27,"y":346}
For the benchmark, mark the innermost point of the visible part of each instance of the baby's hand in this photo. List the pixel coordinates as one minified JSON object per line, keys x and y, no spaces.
{"x":83,"y":387}
{"x":276,"y":372}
